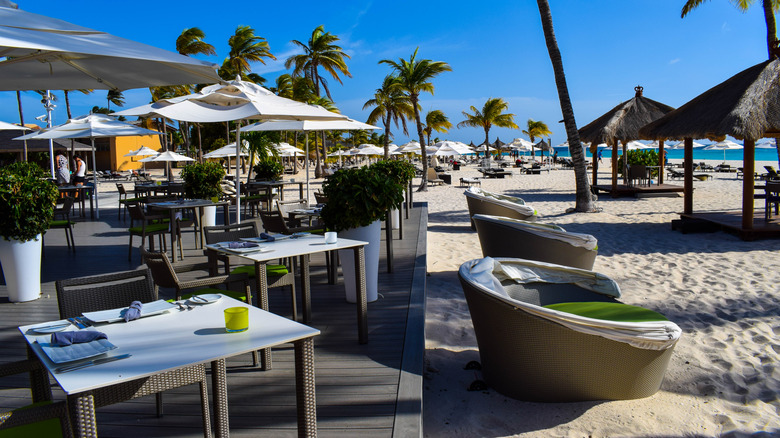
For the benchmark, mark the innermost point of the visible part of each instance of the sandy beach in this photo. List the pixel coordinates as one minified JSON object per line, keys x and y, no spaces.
{"x":724,"y":376}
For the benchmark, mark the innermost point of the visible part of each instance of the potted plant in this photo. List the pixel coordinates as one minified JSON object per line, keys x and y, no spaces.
{"x":357,"y":200}
{"x":268,"y":170}
{"x":27,"y":199}
{"x":203,"y":181}
{"x":402,"y":172}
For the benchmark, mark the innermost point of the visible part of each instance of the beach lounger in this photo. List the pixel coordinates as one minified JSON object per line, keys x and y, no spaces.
{"x":468,"y":182}
{"x":433,"y":178}
{"x":506,"y":237}
{"x":482,"y":202}
{"x":555,"y":334}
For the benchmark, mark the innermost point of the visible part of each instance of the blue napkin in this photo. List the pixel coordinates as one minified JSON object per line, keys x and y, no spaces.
{"x":63,"y":339}
{"x":267,"y":237}
{"x":236,"y":245}
{"x":134,"y":311}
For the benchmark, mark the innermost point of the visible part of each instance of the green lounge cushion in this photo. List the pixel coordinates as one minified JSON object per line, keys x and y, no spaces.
{"x":149,"y":228}
{"x":60,"y":223}
{"x":609,"y":311}
{"x":44,"y":428}
{"x":271,"y":270}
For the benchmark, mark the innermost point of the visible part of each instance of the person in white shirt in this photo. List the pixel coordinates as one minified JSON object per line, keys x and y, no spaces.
{"x":81,"y":170}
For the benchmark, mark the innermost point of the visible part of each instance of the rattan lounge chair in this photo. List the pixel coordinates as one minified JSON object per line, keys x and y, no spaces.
{"x":507,"y":237}
{"x":531,"y":351}
{"x":482,"y":202}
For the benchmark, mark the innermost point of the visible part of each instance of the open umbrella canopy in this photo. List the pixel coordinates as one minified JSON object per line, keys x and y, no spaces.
{"x":5,"y":126}
{"x":229,"y":150}
{"x":46,"y":53}
{"x":460,"y":148}
{"x":167,"y":156}
{"x":412,"y":146}
{"x":233,"y":100}
{"x":370,"y":149}
{"x":143,"y":151}
{"x":91,"y":125}
{"x":287,"y":148}
{"x":309,"y":125}
{"x":723,"y":145}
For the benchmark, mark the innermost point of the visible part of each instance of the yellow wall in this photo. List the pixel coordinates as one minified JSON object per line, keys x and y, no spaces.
{"x":122,"y":145}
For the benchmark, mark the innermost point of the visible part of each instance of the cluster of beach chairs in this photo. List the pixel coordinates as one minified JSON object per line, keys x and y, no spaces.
{"x":548,"y":327}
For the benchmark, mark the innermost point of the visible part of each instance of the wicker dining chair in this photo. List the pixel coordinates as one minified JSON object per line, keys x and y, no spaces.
{"x":62,"y":221}
{"x":108,"y":291}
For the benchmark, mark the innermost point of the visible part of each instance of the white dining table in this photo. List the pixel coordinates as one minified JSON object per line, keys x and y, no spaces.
{"x":179,"y":339}
{"x":303,"y":247}
{"x":196,"y":204}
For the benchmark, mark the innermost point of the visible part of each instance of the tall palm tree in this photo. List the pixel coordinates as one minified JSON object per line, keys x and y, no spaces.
{"x":190,"y":42}
{"x":492,"y":113}
{"x":584,"y":201}
{"x":21,"y":120}
{"x":770,"y":7}
{"x":437,"y":121}
{"x":245,"y":47}
{"x":318,"y":52}
{"x":390,"y":106}
{"x":414,"y":77}
{"x":535,"y":130}
{"x":115,"y":97}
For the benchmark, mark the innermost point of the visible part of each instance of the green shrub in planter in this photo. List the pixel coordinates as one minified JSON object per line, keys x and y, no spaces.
{"x":269,"y":170}
{"x":358,"y":197}
{"x":400,"y":171}
{"x":27,"y":199}
{"x":202,"y":181}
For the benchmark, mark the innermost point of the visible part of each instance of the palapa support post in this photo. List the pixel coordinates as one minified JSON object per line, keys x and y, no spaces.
{"x":748,"y":185}
{"x":614,"y":165}
{"x":661,"y":162}
{"x":688,"y":178}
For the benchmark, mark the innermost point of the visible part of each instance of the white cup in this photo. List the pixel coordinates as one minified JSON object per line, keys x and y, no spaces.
{"x":331,"y":237}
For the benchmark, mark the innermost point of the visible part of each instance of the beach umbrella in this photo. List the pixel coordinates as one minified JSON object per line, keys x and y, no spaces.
{"x":229,"y":150}
{"x":234,"y":100}
{"x":724,"y":145}
{"x":622,"y":123}
{"x":460,"y":148}
{"x":745,"y":106}
{"x":767,"y":143}
{"x":169,"y":156}
{"x":90,"y":126}
{"x":143,"y":151}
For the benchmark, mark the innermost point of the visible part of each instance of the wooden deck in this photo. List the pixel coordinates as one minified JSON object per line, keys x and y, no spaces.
{"x":372,"y":390}
{"x":730,"y":222}
{"x":638,"y":191}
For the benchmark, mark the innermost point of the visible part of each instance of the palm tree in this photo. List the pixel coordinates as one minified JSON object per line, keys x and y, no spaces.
{"x":536,"y":129}
{"x":190,"y":42}
{"x":414,"y":77}
{"x":584,"y":201}
{"x":319,"y":52}
{"x":437,"y":121}
{"x":391,"y":106}
{"x":492,"y":114}
{"x":115,"y":97}
{"x":245,"y":47}
{"x":769,"y":6}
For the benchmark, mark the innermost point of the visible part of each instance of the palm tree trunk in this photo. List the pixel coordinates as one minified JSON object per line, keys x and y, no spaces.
{"x":771,"y":27}
{"x":423,"y":153}
{"x":386,"y":121}
{"x":584,"y":200}
{"x":21,"y":119}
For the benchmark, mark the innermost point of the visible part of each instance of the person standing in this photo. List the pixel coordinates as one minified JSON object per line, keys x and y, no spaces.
{"x":63,"y":172}
{"x":81,"y":169}
{"x":599,"y":155}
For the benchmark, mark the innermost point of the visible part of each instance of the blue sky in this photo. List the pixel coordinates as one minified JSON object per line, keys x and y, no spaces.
{"x":495,"y":49}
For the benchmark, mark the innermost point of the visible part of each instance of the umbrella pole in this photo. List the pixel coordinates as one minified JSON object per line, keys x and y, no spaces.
{"x":238,"y":175}
{"x":94,"y":180}
{"x":306,"y":142}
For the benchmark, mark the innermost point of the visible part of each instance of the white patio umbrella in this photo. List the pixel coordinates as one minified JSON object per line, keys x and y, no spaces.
{"x":92,"y":126}
{"x":229,"y":150}
{"x":681,"y":145}
{"x":143,"y":151}
{"x":234,"y":100}
{"x":767,"y":143}
{"x":460,"y":148}
{"x":168,"y":156}
{"x":724,"y":145}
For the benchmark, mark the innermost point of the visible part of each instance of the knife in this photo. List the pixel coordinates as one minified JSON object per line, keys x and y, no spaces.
{"x":78,"y":366}
{"x":77,"y":323}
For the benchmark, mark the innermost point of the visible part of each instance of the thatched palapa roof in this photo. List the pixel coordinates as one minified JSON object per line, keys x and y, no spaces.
{"x":624,"y":121}
{"x":745,"y":106}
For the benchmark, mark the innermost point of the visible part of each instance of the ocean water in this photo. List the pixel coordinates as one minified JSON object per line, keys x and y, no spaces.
{"x":698,"y":154}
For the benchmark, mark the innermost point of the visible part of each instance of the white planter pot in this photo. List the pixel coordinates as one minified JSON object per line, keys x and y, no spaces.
{"x":22,"y":268}
{"x":395,"y":218}
{"x":209,"y":218}
{"x":372,"y":235}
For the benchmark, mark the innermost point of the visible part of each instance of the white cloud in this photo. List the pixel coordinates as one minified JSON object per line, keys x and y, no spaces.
{"x":674,"y":61}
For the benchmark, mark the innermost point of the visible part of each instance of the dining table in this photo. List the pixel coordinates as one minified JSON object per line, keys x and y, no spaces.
{"x":278,"y":184}
{"x":183,"y":204}
{"x":171,"y":340}
{"x":303,"y":246}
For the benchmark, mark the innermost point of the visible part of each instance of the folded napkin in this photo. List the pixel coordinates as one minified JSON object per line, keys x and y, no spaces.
{"x":237,"y":245}
{"x":134,"y":311}
{"x":267,"y":237}
{"x":63,"y":339}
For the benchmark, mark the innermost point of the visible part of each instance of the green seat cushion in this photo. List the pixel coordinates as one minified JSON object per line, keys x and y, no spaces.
{"x":149,"y":228}
{"x":271,"y":270}
{"x":609,"y":311}
{"x":62,"y":223}
{"x":45,"y":428}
